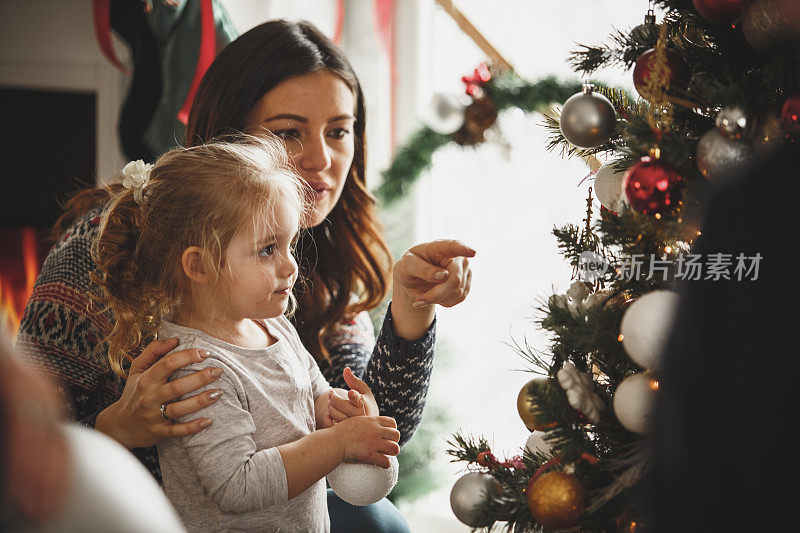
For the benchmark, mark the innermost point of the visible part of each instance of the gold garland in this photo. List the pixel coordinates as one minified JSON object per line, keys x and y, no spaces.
{"x":656,"y":86}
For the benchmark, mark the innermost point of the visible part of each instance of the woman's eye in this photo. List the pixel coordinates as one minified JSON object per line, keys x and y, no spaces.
{"x":267,"y":251}
{"x":288,"y":134}
{"x":339,"y":133}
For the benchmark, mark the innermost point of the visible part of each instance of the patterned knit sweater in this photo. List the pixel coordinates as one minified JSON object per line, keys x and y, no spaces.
{"x":62,"y":338}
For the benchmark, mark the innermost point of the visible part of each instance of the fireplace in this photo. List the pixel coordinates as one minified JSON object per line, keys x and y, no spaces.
{"x":49,"y":153}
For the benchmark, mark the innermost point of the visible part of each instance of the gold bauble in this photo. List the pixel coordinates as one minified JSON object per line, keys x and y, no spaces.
{"x":525,"y":406}
{"x":557,"y":500}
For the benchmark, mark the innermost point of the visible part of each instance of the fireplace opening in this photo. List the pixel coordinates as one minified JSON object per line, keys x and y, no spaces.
{"x":49,"y":153}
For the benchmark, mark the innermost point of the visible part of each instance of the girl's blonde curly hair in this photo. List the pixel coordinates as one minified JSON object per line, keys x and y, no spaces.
{"x":199,"y":196}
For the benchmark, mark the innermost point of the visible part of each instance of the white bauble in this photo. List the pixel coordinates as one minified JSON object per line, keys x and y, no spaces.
{"x":363,"y":484}
{"x":608,"y":186}
{"x":633,"y":402}
{"x":468,"y":493}
{"x":445,"y":113}
{"x":646,"y":325}
{"x":536,"y":444}
{"x":110,"y":490}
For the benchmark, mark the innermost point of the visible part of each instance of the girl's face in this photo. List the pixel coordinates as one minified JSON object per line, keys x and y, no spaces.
{"x":314,"y":114}
{"x":259,"y":270}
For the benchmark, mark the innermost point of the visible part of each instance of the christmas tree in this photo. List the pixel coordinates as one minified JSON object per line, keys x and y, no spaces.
{"x":718,"y":85}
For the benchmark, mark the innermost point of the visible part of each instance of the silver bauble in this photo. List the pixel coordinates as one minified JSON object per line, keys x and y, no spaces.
{"x":608,"y":187}
{"x":768,"y":136}
{"x":720,"y":159}
{"x":468,"y":493}
{"x":732,"y":122}
{"x":445,"y":113}
{"x":588,"y":118}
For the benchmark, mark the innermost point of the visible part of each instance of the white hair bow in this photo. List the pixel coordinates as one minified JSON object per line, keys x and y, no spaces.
{"x":137,"y":176}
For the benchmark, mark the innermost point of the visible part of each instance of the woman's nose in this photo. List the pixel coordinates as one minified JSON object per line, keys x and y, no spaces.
{"x":315,"y":155}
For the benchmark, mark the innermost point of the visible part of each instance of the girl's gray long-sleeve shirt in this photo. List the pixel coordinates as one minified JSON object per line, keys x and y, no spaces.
{"x":230,"y":476}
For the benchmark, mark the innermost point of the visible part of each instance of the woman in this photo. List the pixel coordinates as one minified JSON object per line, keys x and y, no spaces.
{"x":290,"y":79}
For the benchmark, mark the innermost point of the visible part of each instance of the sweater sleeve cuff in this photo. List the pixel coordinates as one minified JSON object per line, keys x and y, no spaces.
{"x":400,"y":348}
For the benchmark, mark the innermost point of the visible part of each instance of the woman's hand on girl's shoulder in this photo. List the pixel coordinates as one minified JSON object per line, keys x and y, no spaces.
{"x":137,"y":419}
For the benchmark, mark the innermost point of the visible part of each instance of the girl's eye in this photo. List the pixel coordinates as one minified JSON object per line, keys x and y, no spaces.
{"x":339,"y":133}
{"x":267,"y":251}
{"x":287,"y":134}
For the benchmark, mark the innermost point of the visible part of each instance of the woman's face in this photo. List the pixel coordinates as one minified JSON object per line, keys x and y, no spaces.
{"x":314,"y":114}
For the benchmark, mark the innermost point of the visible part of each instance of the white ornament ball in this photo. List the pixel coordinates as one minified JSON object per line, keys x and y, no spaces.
{"x":537,"y":445}
{"x":633,"y":402}
{"x":608,"y":186}
{"x":646,"y":325}
{"x":468,"y":493}
{"x":445,"y":113}
{"x":363,"y":484}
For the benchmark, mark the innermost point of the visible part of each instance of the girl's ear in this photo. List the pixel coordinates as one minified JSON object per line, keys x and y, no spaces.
{"x":192,"y":263}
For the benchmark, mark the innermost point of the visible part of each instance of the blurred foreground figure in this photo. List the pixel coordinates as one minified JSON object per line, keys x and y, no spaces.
{"x":725,"y":456}
{"x":57,"y":476}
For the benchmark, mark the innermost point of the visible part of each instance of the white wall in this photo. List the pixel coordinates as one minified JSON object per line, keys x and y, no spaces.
{"x":50,"y":45}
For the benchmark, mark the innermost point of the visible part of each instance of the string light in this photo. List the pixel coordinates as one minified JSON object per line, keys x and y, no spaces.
{"x":620,"y":337}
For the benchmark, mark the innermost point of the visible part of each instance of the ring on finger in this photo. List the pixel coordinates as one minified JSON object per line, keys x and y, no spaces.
{"x":167,"y":419}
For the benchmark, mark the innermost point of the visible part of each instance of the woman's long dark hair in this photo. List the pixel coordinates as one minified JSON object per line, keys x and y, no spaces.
{"x":344,"y":261}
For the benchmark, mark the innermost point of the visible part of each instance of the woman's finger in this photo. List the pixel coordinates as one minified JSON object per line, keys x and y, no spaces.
{"x":167,"y":365}
{"x":182,"y":386}
{"x":445,"y":291}
{"x":442,"y":251}
{"x":151,"y":354}
{"x":415,"y":266}
{"x":183,"y":429}
{"x":192,"y":404}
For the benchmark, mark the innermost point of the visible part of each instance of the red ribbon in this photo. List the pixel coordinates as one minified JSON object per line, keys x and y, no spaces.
{"x":208,"y":50}
{"x":102,"y":33}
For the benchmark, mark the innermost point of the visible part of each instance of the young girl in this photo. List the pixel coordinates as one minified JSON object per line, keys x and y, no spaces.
{"x":186,"y":254}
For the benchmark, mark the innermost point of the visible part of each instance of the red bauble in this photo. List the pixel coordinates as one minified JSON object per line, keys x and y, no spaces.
{"x":653,"y":186}
{"x":678,"y":70}
{"x":718,"y":11}
{"x":790,"y":115}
